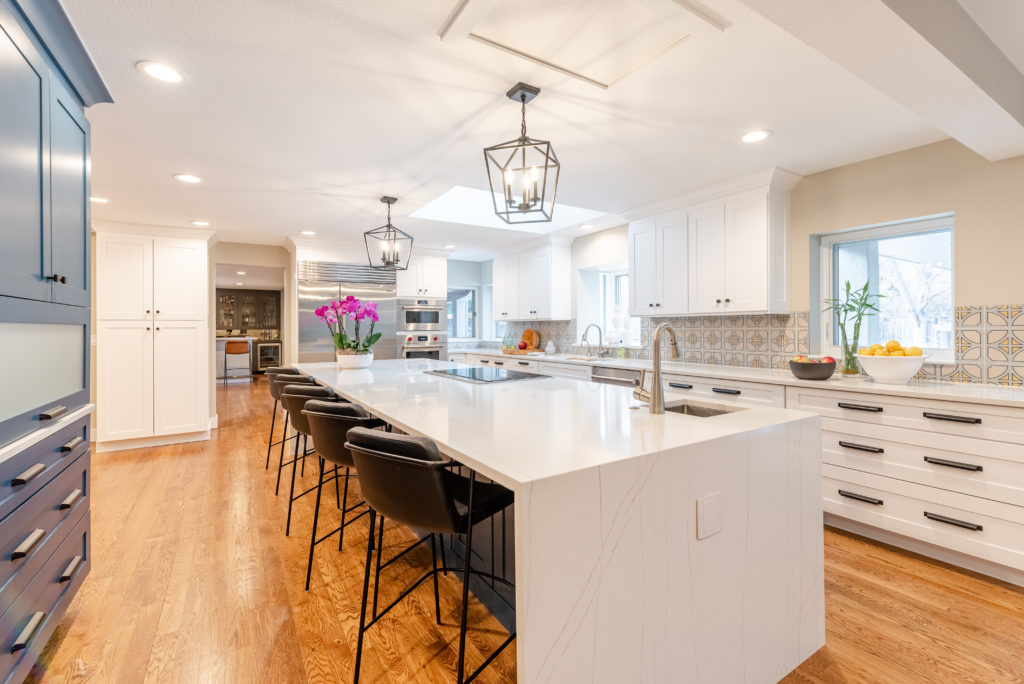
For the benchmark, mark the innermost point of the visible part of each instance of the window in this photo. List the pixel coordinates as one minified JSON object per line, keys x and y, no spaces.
{"x":911,"y":265}
{"x":500,"y":329}
{"x":461,"y":313}
{"x":618,"y":326}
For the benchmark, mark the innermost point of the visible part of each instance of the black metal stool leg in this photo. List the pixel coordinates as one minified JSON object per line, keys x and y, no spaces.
{"x":337,"y":492}
{"x":303,"y":473}
{"x":344,"y":507}
{"x":437,"y":593}
{"x":291,"y":492}
{"x":280,"y":462}
{"x":465,"y":582}
{"x":380,"y":553}
{"x":270,"y":442}
{"x":316,"y":519}
{"x":366,"y":591}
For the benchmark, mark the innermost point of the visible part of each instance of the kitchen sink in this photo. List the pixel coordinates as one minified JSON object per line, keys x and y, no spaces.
{"x":699,"y":409}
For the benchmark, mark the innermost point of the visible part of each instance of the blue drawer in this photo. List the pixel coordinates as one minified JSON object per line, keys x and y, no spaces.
{"x":39,"y":463}
{"x":30,"y":535}
{"x":26,"y":627}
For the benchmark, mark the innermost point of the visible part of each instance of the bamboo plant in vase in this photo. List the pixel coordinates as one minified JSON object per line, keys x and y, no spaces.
{"x":351,"y":351}
{"x":850,"y":309}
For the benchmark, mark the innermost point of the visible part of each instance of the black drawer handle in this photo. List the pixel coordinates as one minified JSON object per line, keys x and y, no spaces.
{"x":952,"y":419}
{"x":953,"y":464}
{"x":499,"y":363}
{"x":484,"y":361}
{"x":680,"y":385}
{"x":954,"y":522}
{"x":860,"y":407}
{"x":26,"y":634}
{"x":53,"y":412}
{"x":72,"y":499}
{"x":29,"y":475}
{"x":70,"y":445}
{"x":723,"y":390}
{"x":860,"y":497}
{"x":524,"y":363}
{"x":861,"y":447}
{"x":70,"y":571}
{"x":25,"y":547}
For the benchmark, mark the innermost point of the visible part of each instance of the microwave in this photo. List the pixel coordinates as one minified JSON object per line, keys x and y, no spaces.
{"x":422,"y":315}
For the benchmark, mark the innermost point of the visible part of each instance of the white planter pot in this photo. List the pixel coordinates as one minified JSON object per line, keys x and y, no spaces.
{"x":350,"y":360}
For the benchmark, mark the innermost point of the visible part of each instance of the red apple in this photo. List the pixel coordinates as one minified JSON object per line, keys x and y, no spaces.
{"x":522,"y":345}
{"x":828,"y":359}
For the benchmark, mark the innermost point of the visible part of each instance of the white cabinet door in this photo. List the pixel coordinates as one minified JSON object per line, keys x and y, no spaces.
{"x":535,"y":283}
{"x":643,"y":273}
{"x":672,"y":265}
{"x":124,"y":383}
{"x":180,"y":274}
{"x":434,"y":277}
{"x":407,"y":282}
{"x":124,"y":277}
{"x":746,"y":252}
{"x":506,"y":288}
{"x":706,"y":258}
{"x":180,"y":371}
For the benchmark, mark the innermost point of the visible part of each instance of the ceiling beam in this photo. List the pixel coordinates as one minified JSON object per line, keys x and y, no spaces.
{"x":465,"y":15}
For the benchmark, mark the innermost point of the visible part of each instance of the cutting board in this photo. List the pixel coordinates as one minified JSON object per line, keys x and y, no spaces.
{"x":532,"y":340}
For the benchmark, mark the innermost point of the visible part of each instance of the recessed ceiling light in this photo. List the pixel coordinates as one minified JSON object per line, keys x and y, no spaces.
{"x":160,"y":72}
{"x":755,"y":136}
{"x":187,"y":178}
{"x":587,"y":226}
{"x":98,"y":200}
{"x":239,"y":283}
{"x":308,"y":232}
{"x":449,"y":246}
{"x":239,"y":272}
{"x":200,"y":223}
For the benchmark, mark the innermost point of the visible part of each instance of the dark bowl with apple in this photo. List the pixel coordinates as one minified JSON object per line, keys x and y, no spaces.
{"x":807,"y":368}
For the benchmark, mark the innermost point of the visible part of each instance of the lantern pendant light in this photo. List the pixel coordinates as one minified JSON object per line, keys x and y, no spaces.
{"x":522,"y":173}
{"x":388,"y":247}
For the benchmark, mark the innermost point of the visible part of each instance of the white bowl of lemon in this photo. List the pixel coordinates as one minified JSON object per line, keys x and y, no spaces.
{"x":891,"y":363}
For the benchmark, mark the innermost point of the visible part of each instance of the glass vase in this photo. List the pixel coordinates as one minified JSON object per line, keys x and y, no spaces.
{"x":850,"y":365}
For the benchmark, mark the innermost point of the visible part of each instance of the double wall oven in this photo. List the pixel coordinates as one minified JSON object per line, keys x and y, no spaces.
{"x":422,"y":329}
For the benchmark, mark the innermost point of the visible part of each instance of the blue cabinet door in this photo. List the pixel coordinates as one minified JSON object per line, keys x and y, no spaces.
{"x":69,"y":196}
{"x":24,"y":164}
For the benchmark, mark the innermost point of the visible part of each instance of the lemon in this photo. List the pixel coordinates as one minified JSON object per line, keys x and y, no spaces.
{"x":914,"y":351}
{"x":864,"y":351}
{"x":898,"y":352}
{"x":881,"y":352}
{"x":876,"y":347}
{"x":892,"y":345}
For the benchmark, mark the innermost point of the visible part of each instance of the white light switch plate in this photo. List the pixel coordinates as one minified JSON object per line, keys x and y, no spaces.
{"x":709,"y":515}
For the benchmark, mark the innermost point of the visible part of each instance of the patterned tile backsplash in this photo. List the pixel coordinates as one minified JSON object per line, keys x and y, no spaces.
{"x":989,"y":342}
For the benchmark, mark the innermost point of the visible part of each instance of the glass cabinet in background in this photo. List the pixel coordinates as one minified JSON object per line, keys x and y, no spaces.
{"x":248,"y":310}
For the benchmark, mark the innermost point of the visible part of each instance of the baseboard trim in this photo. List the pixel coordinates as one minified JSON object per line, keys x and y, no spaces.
{"x":145,"y":442}
{"x":960,"y":560}
{"x":214,"y":421}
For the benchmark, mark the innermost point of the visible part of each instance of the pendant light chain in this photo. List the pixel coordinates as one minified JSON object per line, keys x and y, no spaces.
{"x":523,"y":98}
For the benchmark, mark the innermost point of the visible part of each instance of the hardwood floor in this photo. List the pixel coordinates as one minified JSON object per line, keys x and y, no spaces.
{"x":193,"y":580}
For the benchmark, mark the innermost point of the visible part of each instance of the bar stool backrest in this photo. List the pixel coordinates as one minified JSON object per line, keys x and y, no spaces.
{"x":403,"y":478}
{"x":236,"y":348}
{"x":329,"y":423}
{"x":294,"y":398}
{"x":281,"y":379}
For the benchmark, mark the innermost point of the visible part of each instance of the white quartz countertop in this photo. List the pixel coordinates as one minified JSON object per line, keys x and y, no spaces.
{"x":523,"y":431}
{"x":948,"y":391}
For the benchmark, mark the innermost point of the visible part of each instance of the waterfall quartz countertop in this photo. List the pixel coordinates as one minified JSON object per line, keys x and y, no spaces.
{"x":654,"y":548}
{"x":994,"y":395}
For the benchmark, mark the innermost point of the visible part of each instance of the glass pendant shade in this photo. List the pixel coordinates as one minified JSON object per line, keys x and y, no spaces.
{"x":388,"y":247}
{"x":523,"y":173}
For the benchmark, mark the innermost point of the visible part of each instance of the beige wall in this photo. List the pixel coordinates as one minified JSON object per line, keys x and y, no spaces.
{"x":987,"y":198}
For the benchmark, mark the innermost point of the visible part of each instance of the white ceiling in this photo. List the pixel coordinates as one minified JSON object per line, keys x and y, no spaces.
{"x":298,"y":116}
{"x":1003,"y":21}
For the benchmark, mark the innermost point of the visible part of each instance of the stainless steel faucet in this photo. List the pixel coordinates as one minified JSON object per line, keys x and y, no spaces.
{"x":600,"y":340}
{"x":657,"y":391}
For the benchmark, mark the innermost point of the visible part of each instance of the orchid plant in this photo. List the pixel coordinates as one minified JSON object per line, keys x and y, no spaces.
{"x":334,"y":316}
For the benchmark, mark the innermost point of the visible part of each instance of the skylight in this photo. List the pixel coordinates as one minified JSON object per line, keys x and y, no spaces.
{"x":475,"y":208}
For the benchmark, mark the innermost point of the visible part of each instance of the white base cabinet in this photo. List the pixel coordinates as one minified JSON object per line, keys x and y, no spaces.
{"x":180,"y":377}
{"x":124,"y":382}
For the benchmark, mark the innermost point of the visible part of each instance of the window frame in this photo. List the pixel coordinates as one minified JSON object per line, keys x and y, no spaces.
{"x":924,"y":224}
{"x":476,"y":313}
{"x":609,"y":279}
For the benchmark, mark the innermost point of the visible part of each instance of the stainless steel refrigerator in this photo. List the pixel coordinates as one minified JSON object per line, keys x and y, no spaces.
{"x":321,"y":283}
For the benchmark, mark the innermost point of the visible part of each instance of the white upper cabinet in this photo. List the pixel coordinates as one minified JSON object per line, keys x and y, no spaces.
{"x":180,"y":274}
{"x":124,"y":284}
{"x":427,"y":276}
{"x":706,"y":260}
{"x":506,"y":288}
{"x":746,"y":252}
{"x":533,"y":284}
{"x":657,"y":265}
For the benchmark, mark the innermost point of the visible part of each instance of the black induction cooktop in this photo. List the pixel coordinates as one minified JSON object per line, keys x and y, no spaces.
{"x":484,"y":375}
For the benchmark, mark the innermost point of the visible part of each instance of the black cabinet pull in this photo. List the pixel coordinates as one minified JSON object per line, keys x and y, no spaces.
{"x":952,"y":419}
{"x":727,"y":300}
{"x":484,"y":361}
{"x":53,"y":412}
{"x":718,"y":301}
{"x":524,"y":363}
{"x":26,"y":634}
{"x":70,"y":571}
{"x":723,"y":390}
{"x":953,"y":464}
{"x":70,"y":445}
{"x":55,"y":278}
{"x":499,"y":363}
{"x":63,"y":280}
{"x":860,"y":407}
{"x":680,"y":385}
{"x":29,"y":475}
{"x":862,"y":447}
{"x":860,"y":497}
{"x":953,"y":521}
{"x":72,"y":499}
{"x":650,"y":305}
{"x":25,"y":547}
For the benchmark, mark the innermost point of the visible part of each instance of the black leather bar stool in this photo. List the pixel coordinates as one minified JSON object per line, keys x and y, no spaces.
{"x":280,"y":381}
{"x":329,"y":423}
{"x":405,"y":479}
{"x":271,"y":374}
{"x":294,"y":398}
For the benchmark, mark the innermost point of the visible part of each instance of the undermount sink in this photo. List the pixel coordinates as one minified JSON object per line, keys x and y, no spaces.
{"x":699,"y":409}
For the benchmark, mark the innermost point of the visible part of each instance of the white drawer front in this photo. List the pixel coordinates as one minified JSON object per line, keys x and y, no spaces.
{"x":997,"y":423}
{"x":520,"y":364}
{"x":977,"y":527}
{"x":565,"y":370}
{"x":480,"y":360}
{"x":721,"y":391}
{"x":992,"y":470}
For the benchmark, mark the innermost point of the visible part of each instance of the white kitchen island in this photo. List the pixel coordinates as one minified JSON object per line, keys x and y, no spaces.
{"x":648,"y":548}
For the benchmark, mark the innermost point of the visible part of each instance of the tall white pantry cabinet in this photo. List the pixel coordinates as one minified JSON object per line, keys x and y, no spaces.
{"x":152,"y":344}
